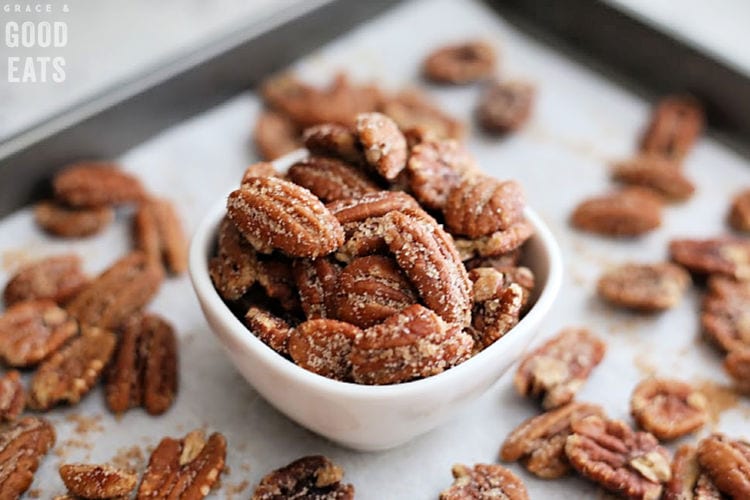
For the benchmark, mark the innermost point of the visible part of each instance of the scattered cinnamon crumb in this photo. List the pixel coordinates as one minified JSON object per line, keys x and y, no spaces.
{"x":35,"y":493}
{"x":85,"y":424}
{"x":644,"y":365}
{"x":129,"y":458}
{"x":720,"y":398}
{"x":235,"y":489}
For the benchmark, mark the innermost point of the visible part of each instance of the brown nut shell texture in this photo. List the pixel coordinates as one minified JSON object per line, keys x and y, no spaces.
{"x":313,"y":477}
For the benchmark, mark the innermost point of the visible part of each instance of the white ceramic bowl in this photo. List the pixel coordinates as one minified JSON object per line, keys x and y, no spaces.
{"x":360,"y":416}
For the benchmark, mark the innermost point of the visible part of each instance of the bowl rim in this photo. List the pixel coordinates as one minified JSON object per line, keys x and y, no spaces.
{"x":202,"y":242}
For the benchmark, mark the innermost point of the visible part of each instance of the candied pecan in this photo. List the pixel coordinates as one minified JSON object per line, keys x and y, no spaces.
{"x":12,"y":396}
{"x":32,"y":330}
{"x":648,"y":287}
{"x":505,"y":106}
{"x":429,"y":259}
{"x":484,"y":481}
{"x":330,"y":179}
{"x":97,"y":481}
{"x":56,"y":278}
{"x":276,"y":214}
{"x":158,"y":233}
{"x":323,"y":346}
{"x":411,"y":344}
{"x":462,"y":63}
{"x":276,"y":277}
{"x":481,"y":205}
{"x":689,"y":481}
{"x":317,"y":281}
{"x":94,"y":184}
{"x":556,"y":370}
{"x":332,"y":139}
{"x":656,"y":172}
{"x":668,"y":408}
{"x":259,"y":169}
{"x":73,"y":370}
{"x":539,"y":442}
{"x":144,"y":368}
{"x":496,"y":244}
{"x":727,"y":464}
{"x":436,"y":167}
{"x":619,"y":459}
{"x":184,"y":468}
{"x":372,"y":289}
{"x":675,"y":125}
{"x":383,"y":144}
{"x":632,"y":211}
{"x":275,"y":135}
{"x":313,"y":477}
{"x":739,"y":213}
{"x":727,"y":255}
{"x":498,"y":262}
{"x":497,"y":306}
{"x":23,"y":444}
{"x":68,"y":222}
{"x":362,"y":239}
{"x":371,"y":205}
{"x":121,"y":290}
{"x":269,"y":328}
{"x":725,"y":313}
{"x":235,"y":268}
{"x":737,"y":364}
{"x":412,"y":108}
{"x":489,"y":281}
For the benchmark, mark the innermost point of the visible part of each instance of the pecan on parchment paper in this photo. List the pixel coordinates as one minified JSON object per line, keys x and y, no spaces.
{"x":668,"y":408}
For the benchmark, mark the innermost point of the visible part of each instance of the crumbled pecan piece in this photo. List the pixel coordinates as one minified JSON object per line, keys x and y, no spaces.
{"x":689,"y":481}
{"x":498,"y":243}
{"x":505,"y":106}
{"x":727,"y":255}
{"x":271,"y":329}
{"x":556,"y":370}
{"x":275,"y":135}
{"x":184,"y":468}
{"x":97,"y":481}
{"x":72,"y":371}
{"x":435,"y":167}
{"x":737,"y":365}
{"x":498,"y":303}
{"x":459,"y":64}
{"x":363,"y":239}
{"x":276,"y":214}
{"x":314,"y":477}
{"x":32,"y":330}
{"x":668,"y":408}
{"x":372,"y":289}
{"x":120,"y":291}
{"x":480,"y":206}
{"x":630,"y":212}
{"x":619,"y":459}
{"x":725,"y":313}
{"x":276,"y":278}
{"x":234,"y":269}
{"x":383,"y":144}
{"x":499,"y":262}
{"x":484,"y":481}
{"x":675,"y":125}
{"x":411,"y":344}
{"x":94,"y":184}
{"x":317,"y":282}
{"x":323,"y":346}
{"x":330,"y":179}
{"x":23,"y":444}
{"x":412,"y":108}
{"x":12,"y":396}
{"x":67,"y":222}
{"x":727,"y":463}
{"x":144,"y":368}
{"x":158,"y":233}
{"x":647,"y":287}
{"x":56,"y":278}
{"x":332,"y":139}
{"x":539,"y":442}
{"x":656,"y":172}
{"x":739,"y":212}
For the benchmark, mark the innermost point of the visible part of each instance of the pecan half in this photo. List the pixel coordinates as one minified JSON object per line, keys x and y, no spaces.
{"x":668,"y":408}
{"x":276,"y":214}
{"x":435,"y":167}
{"x":727,"y":463}
{"x":725,"y":313}
{"x":94,"y":184}
{"x":429,"y":259}
{"x":234,"y":269}
{"x":259,"y":169}
{"x":383,"y":144}
{"x":323,"y":346}
{"x":461,"y":63}
{"x":158,"y":233}
{"x":496,"y":244}
{"x":276,"y":278}
{"x":120,"y":291}
{"x":57,"y":278}
{"x":12,"y":396}
{"x":539,"y":442}
{"x":97,"y":481}
{"x":481,"y":205}
{"x":372,"y":289}
{"x":558,"y":368}
{"x":611,"y":454}
{"x":67,"y":222}
{"x":271,"y":329}
{"x":31,"y":331}
{"x":371,"y":205}
{"x":317,"y":281}
{"x":275,"y":135}
{"x":23,"y":445}
{"x":737,"y":365}
{"x":184,"y":468}
{"x":656,"y":172}
{"x":497,"y":306}
{"x":675,"y":125}
{"x":72,"y":371}
{"x":630,"y":212}
{"x":332,"y":139}
{"x":412,"y":108}
{"x":412,"y":344}
{"x":689,"y":481}
{"x":728,"y":256}
{"x":330,"y":179}
{"x":144,"y":368}
{"x":484,"y":481}
{"x":646,"y":287}
{"x":739,"y":212}
{"x":505,"y":106}
{"x":313,"y":477}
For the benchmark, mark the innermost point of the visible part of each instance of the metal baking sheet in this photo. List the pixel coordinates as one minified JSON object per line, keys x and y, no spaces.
{"x":582,"y":121}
